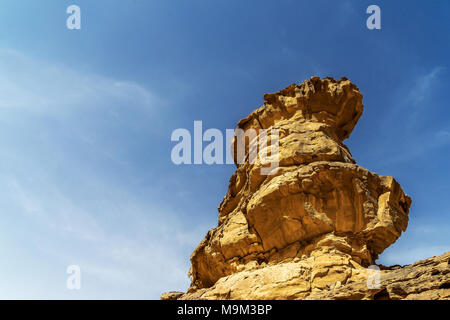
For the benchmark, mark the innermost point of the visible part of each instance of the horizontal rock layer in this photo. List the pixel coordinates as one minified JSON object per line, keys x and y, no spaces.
{"x":333,"y":277}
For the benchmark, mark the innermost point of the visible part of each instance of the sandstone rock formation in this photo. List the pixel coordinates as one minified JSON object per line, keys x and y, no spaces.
{"x":310,"y":228}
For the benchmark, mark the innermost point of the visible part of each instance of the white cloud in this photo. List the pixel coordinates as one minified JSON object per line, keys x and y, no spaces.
{"x":422,"y":146}
{"x":140,"y":247}
{"x":56,"y":191}
{"x":423,"y":85}
{"x":41,"y":87}
{"x":413,"y":102}
{"x":443,"y":136}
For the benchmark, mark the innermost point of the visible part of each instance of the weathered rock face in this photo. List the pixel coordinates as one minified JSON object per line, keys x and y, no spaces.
{"x":344,"y":280}
{"x":313,"y":224}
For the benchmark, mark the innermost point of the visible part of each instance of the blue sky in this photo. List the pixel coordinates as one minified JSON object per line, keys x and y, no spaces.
{"x":86,"y":117}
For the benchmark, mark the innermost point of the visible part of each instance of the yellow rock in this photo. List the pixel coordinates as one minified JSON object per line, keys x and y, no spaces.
{"x":310,"y":229}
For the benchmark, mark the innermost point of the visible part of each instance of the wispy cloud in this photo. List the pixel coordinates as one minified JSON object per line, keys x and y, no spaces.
{"x":423,"y":85}
{"x":64,"y":136}
{"x":420,"y":95}
{"x":38,"y":86}
{"x":413,"y":104}
{"x":412,"y":96}
{"x":134,"y":244}
{"x":418,"y":146}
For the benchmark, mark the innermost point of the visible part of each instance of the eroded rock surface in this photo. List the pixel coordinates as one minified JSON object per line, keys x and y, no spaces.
{"x":311,"y":227}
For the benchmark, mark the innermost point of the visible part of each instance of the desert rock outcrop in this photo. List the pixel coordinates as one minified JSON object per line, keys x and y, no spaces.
{"x":310,"y":228}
